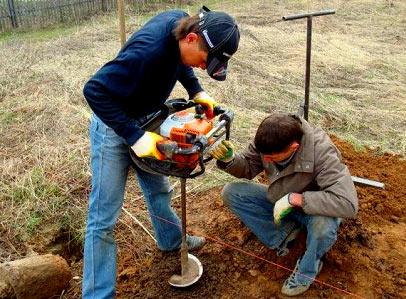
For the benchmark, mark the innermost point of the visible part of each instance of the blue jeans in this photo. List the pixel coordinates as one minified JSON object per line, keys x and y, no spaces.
{"x":110,"y":163}
{"x":248,"y":201}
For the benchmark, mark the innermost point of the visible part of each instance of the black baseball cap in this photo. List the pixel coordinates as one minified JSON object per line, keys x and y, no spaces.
{"x":221,"y":34}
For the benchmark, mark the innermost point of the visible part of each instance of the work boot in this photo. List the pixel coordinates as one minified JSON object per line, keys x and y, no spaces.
{"x":195,"y":242}
{"x":292,"y":287}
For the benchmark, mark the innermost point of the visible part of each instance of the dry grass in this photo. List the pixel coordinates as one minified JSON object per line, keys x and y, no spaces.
{"x":358,"y":68}
{"x":357,"y":92}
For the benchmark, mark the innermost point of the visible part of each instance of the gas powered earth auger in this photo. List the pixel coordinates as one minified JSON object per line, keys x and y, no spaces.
{"x":189,"y":135}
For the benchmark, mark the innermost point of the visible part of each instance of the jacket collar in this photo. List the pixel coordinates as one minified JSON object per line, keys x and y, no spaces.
{"x":304,"y":159}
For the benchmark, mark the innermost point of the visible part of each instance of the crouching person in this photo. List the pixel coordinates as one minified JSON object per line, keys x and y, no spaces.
{"x":309,"y":187}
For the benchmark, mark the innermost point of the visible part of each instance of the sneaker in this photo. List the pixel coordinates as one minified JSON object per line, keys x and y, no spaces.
{"x":195,"y":242}
{"x":292,"y":287}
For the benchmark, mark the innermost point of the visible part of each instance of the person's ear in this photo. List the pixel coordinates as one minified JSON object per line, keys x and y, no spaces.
{"x":294,"y":145}
{"x":191,"y":37}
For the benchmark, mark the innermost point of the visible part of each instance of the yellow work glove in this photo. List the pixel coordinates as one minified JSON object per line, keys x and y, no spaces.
{"x":146,"y":146}
{"x":223,"y":151}
{"x":207,"y":102}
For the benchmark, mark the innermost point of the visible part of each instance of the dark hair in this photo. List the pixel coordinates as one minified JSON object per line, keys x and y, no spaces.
{"x":277,"y":131}
{"x":187,"y":25}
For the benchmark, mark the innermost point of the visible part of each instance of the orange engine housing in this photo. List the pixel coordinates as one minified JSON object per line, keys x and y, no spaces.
{"x":186,"y":136}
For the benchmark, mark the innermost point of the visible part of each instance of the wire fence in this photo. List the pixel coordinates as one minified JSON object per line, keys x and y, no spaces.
{"x":41,"y":13}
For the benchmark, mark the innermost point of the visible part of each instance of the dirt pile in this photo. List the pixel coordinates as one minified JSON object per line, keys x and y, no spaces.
{"x":367,"y":260}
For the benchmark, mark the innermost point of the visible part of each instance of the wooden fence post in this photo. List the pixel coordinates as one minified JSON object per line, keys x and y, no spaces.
{"x":121,"y":20}
{"x":12,"y":13}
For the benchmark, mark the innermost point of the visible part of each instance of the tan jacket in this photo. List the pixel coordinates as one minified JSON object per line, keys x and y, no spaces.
{"x":316,"y":171}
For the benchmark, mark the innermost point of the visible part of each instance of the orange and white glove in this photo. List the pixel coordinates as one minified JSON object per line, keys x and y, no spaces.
{"x":146,"y":146}
{"x":207,"y":102}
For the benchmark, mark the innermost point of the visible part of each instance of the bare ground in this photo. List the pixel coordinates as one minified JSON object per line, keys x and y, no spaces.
{"x":367,"y":260}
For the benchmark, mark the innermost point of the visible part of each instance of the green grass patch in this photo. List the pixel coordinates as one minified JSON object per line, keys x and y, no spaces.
{"x":38,"y":35}
{"x":38,"y":200}
{"x":33,"y":222}
{"x":8,"y":117}
{"x":34,"y":188}
{"x":331,"y":99}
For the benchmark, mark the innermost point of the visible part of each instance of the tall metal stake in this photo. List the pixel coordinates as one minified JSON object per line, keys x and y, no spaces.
{"x":304,"y":107}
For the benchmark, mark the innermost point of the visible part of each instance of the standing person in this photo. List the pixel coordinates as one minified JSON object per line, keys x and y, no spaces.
{"x":122,"y":94}
{"x":309,"y":186}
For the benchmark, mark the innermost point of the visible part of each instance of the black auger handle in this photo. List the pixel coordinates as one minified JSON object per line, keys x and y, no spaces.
{"x":179,"y":104}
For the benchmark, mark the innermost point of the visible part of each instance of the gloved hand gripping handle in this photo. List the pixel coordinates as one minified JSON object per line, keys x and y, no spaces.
{"x":200,"y":146}
{"x":226,"y":119}
{"x":201,"y":143}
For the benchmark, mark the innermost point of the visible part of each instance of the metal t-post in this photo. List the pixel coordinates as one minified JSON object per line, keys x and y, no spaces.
{"x":309,"y":16}
{"x":307,"y":72}
{"x":304,"y":108}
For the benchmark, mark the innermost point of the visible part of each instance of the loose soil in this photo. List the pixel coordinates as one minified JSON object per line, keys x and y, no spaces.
{"x":368,"y":259}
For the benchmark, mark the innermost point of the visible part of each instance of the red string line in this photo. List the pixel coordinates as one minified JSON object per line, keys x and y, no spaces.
{"x":265,"y":260}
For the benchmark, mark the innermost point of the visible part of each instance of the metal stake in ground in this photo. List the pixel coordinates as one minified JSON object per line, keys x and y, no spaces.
{"x":304,"y":108}
{"x":192,"y":268}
